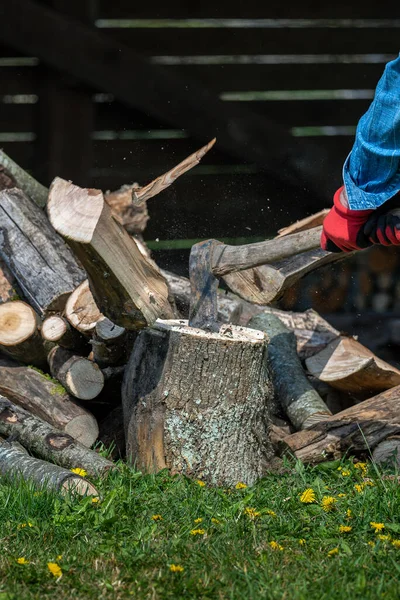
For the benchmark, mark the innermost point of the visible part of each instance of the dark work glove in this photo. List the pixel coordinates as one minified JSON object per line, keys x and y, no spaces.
{"x":343,"y":228}
{"x":383,"y":226}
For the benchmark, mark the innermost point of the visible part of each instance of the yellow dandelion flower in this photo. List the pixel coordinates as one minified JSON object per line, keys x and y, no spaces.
{"x":176,"y":568}
{"x":199,"y":520}
{"x":59,"y":557}
{"x":302,"y":542}
{"x":157,"y":518}
{"x":270,"y":512}
{"x":345,"y":528}
{"x":349,"y":513}
{"x":22,"y":525}
{"x":377,"y":527}
{"x":371,"y":544}
{"x":252,"y":513}
{"x":215,"y":521}
{"x":359,"y":487}
{"x":200,"y":482}
{"x":363,"y":467}
{"x":54,"y":569}
{"x":340,"y":468}
{"x":333,"y":551}
{"x":197,"y":532}
{"x":22,"y":560}
{"x":328,"y":503}
{"x":275,"y":546}
{"x":240,"y":485}
{"x":308,"y":496}
{"x":341,"y":495}
{"x":95,"y":500}
{"x":396,"y":543}
{"x":383,"y":538}
{"x":368,"y":482}
{"x":79,"y":471}
{"x":345,"y":473}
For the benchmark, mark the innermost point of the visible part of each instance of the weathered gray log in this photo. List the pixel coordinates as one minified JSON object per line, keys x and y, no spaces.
{"x":387,"y":453}
{"x":81,"y":377}
{"x":42,"y":264}
{"x":21,"y":179}
{"x":198,"y":403}
{"x":19,"y":333}
{"x":81,"y":309}
{"x":57,"y":330}
{"x":358,"y":429}
{"x":48,"y":400}
{"x":109,"y":344}
{"x":125,"y":286}
{"x":16,"y":464}
{"x":300,"y":402}
{"x":49,"y":443}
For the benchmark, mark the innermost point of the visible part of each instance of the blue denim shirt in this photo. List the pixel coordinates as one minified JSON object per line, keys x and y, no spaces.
{"x":371,"y":172}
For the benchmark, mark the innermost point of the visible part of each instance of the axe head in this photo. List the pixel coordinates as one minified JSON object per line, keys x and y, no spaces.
{"x":203,"y":287}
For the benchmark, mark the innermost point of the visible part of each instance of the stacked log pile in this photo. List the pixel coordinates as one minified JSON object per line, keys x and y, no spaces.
{"x":95,"y":346}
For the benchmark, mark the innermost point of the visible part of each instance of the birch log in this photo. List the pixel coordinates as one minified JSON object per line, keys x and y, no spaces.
{"x":125,"y":286}
{"x":197,"y":402}
{"x":16,"y":464}
{"x":49,"y":443}
{"x":19,"y":333}
{"x":45,"y":398}
{"x":81,"y":377}
{"x":301,"y":403}
{"x":41,"y":263}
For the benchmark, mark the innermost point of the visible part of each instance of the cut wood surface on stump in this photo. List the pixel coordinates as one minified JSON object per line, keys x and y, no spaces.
{"x":38,"y":393}
{"x":41,"y":263}
{"x":81,"y":377}
{"x":125,"y":286}
{"x":358,"y":429}
{"x":16,"y":463}
{"x":293,"y":393}
{"x":347,"y":365}
{"x":81,"y":309}
{"x":197,"y":403}
{"x":19,"y":333}
{"x":49,"y":443}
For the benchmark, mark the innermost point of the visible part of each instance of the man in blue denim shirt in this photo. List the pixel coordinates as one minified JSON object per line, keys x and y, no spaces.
{"x":364,"y":209}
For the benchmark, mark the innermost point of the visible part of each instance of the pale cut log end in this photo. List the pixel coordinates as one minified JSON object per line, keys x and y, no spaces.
{"x":53,"y":328}
{"x":81,"y":309}
{"x":73,"y":211}
{"x":77,"y":485}
{"x":83,"y":429}
{"x":18,"y":322}
{"x":84,"y":379}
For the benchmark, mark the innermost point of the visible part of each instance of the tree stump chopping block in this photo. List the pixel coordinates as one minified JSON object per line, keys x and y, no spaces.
{"x":197,"y":402}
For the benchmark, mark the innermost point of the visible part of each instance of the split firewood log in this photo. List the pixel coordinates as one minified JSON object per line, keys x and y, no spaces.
{"x":293,"y":392}
{"x":358,"y":429}
{"x":49,"y":443}
{"x":132,"y":216}
{"x":111,"y":344}
{"x":81,"y":377}
{"x":47,"y":399}
{"x":16,"y":464}
{"x":19,"y":333}
{"x":125,"y":286}
{"x":309,"y":222}
{"x":41,"y":263}
{"x":197,"y":402}
{"x":57,"y":330}
{"x":81,"y":309}
{"x":347,"y":365}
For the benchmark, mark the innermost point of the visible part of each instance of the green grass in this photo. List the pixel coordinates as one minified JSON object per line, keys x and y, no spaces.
{"x":115,"y":549}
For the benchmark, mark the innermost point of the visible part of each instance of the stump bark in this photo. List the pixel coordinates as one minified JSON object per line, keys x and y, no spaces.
{"x":197,"y":402}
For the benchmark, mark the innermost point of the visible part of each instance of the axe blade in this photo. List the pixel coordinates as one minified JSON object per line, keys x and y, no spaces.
{"x":203,"y":286}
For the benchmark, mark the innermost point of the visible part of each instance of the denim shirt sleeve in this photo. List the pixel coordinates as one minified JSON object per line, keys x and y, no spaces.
{"x":371,"y":172}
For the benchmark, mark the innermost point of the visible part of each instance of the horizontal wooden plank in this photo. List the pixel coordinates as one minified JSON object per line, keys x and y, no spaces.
{"x":250,"y":9}
{"x":292,"y":113}
{"x":203,"y":41}
{"x":239,"y":77}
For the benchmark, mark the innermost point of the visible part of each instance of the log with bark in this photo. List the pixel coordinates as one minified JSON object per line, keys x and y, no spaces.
{"x":12,"y":175}
{"x":16,"y":464}
{"x":81,"y":309}
{"x":19,"y":333}
{"x":293,"y":392}
{"x":46,"y":398}
{"x":41,"y":263}
{"x":49,"y":443}
{"x":125,"y":286}
{"x":347,"y":365}
{"x":356,"y":430}
{"x":81,"y":377}
{"x":57,"y":330}
{"x":197,"y":403}
{"x":110,"y":344}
